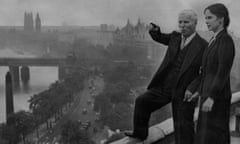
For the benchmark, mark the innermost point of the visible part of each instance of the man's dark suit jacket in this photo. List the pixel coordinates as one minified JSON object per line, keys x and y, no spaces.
{"x":191,"y":64}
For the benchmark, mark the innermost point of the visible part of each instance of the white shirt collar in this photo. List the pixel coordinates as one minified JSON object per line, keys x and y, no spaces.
{"x":189,"y":38}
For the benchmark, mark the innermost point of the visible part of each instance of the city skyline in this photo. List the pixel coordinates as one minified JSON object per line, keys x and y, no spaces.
{"x":116,"y":12}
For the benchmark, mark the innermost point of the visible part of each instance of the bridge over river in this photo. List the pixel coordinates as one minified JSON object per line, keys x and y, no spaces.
{"x":34,"y":61}
{"x":23,"y":64}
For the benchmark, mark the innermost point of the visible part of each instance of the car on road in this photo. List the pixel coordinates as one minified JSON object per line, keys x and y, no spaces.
{"x":84,"y":111}
{"x":89,"y":102}
{"x":79,"y":121}
{"x":97,"y":116}
{"x":88,"y":123}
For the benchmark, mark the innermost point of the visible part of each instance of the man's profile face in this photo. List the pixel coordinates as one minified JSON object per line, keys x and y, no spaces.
{"x":186,"y":25}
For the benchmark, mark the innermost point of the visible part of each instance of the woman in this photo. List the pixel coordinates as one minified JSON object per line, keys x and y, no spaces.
{"x":215,"y":91}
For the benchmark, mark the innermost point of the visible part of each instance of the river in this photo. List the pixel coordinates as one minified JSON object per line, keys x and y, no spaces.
{"x":40,"y":79}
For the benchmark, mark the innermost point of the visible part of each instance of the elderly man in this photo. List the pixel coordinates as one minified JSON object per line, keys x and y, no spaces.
{"x":177,"y":70}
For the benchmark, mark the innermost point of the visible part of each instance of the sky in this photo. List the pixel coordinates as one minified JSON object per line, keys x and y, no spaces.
{"x":96,"y":12}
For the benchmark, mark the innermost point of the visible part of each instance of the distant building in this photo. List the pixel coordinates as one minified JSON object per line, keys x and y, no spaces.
{"x":104,"y":27}
{"x":107,"y":28}
{"x":38,"y":23}
{"x":136,"y":40}
{"x":137,"y":32}
{"x":28,"y":22}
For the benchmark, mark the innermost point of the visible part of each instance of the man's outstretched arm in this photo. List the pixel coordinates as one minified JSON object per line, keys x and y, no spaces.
{"x":157,"y":35}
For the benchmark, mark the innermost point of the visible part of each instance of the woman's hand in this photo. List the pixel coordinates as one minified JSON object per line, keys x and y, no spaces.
{"x":207,"y":105}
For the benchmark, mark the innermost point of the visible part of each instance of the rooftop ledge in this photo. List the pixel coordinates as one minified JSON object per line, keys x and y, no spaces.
{"x":165,"y":129}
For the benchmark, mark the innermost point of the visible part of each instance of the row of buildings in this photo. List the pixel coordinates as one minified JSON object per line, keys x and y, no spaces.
{"x":137,"y":32}
{"x":135,"y":39}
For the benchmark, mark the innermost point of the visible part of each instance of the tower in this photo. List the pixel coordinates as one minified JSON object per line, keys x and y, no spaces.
{"x":38,"y":23}
{"x":28,"y":22}
{"x":25,"y":21}
{"x":31,"y":22}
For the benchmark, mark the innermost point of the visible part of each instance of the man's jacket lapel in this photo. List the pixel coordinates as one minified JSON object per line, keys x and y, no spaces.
{"x":193,"y":51}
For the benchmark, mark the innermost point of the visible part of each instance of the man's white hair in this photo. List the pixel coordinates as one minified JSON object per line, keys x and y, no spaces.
{"x":190,"y":13}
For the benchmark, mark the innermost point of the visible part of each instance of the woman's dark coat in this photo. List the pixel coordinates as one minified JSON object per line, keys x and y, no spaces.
{"x":213,"y":126}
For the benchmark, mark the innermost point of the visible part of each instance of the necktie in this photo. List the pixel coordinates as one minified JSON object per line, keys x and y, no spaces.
{"x":183,"y":42}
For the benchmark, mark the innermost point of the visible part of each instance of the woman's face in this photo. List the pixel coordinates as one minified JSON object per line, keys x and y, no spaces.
{"x":213,"y":22}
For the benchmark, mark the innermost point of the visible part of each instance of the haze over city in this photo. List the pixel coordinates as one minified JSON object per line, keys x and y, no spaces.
{"x":95,"y":12}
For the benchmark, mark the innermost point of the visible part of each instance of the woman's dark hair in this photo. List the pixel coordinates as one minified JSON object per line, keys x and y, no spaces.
{"x":220,"y":11}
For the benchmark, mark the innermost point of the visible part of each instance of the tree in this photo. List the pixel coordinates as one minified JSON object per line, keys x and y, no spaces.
{"x":118,"y":117}
{"x":72,"y":134}
{"x":119,"y":92}
{"x":23,"y":122}
{"x":51,"y":102}
{"x":102,"y":103}
{"x":10,"y":134}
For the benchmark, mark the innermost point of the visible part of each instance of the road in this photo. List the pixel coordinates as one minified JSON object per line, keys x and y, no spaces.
{"x":84,"y":100}
{"x":87,"y":101}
